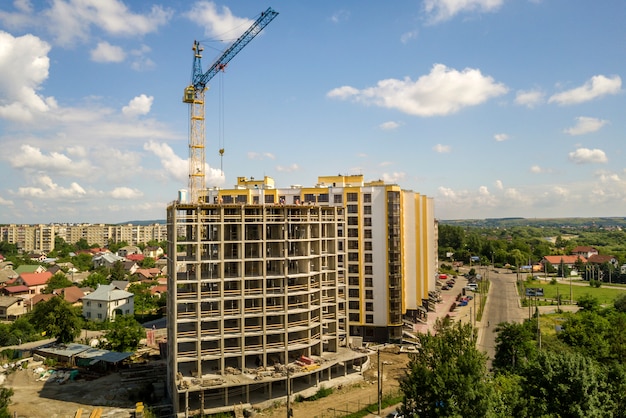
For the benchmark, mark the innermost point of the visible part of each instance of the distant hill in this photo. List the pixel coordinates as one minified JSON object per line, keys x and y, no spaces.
{"x":602,"y":222}
{"x":152,"y":222}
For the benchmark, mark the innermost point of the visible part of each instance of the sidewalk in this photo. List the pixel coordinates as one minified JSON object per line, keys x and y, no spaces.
{"x":460,"y":313}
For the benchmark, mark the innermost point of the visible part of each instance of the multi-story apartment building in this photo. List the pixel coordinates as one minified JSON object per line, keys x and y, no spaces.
{"x":30,"y":238}
{"x":265,"y":275}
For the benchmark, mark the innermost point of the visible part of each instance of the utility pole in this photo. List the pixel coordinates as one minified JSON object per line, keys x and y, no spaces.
{"x":289,"y":411}
{"x":380,"y":385}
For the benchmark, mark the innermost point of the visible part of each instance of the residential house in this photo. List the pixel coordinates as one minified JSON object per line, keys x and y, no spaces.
{"x":38,"y":257}
{"x":107,"y":260}
{"x":121,"y":284}
{"x":54,"y":269}
{"x":106,"y":302}
{"x":137,"y":258}
{"x":130,"y":267}
{"x":128,"y":250}
{"x":153,"y":252}
{"x":36,"y":282}
{"x":18,"y":291}
{"x":7,"y":273}
{"x":568,"y":260}
{"x":599,"y":259}
{"x":148,"y":274}
{"x":73,"y":295}
{"x":11,"y":308}
{"x":584,"y":251}
{"x":30,"y":268}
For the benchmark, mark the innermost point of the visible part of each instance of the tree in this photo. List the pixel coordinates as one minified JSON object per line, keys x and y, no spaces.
{"x":447,"y":375}
{"x":588,"y":302}
{"x":115,"y":246}
{"x":124,"y":334}
{"x":95,"y":279}
{"x":148,"y":262}
{"x":117,"y":271}
{"x":57,"y":318}
{"x":5,"y":400}
{"x":144,"y":302}
{"x":620,"y":303}
{"x":57,"y":281}
{"x":566,"y":384}
{"x":515,"y":345}
{"x":587,"y":331}
{"x":83,"y":261}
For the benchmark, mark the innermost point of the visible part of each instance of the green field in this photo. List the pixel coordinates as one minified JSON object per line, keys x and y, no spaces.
{"x":605,"y":294}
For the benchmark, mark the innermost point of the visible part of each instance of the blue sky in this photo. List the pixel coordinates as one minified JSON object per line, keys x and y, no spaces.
{"x":495,"y":108}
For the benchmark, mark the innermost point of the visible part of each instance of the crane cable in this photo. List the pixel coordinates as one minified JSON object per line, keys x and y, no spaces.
{"x":221,"y":122}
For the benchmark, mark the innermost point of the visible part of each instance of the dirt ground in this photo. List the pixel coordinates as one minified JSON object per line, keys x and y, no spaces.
{"x":37,"y":399}
{"x":351,"y":398}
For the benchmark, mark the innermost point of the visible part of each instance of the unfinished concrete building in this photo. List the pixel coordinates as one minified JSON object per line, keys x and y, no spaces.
{"x":254,"y":285}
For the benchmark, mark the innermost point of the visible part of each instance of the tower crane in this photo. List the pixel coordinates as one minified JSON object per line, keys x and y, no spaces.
{"x":194,"y":96}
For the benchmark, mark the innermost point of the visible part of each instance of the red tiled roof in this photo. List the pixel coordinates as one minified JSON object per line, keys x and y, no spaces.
{"x":567,"y":259}
{"x":16,"y":289}
{"x":600,"y":259}
{"x":42,"y":297}
{"x":71,"y":294}
{"x":36,"y":279}
{"x":158,"y":289}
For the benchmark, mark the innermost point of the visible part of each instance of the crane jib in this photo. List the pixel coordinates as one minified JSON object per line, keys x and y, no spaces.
{"x":200,"y":80}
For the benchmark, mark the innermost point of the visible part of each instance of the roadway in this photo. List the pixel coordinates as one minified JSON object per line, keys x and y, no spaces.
{"x":502,"y":305}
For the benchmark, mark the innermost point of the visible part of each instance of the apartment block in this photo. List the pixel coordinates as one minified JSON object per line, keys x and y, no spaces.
{"x":264,"y":277}
{"x":257,"y":300}
{"x":29,"y":238}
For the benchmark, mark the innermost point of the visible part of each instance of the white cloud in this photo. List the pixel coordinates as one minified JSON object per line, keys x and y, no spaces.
{"x":560,"y":191}
{"x":222,"y":25}
{"x":71,"y":20}
{"x":125,"y":193}
{"x":51,"y":191}
{"x":24,"y":66}
{"x":585,"y":125}
{"x":340,"y":16}
{"x":446,"y":192}
{"x":586,"y":155}
{"x":536,"y":169}
{"x":440,"y":10}
{"x":513,"y":194}
{"x":443,"y":91}
{"x":389,"y":126}
{"x":394,"y":177}
{"x":499,"y":185}
{"x":289,"y":169}
{"x":530,"y":98}
{"x":500,"y":137}
{"x":597,"y":86}
{"x":409,"y":36}
{"x":140,"y":61}
{"x":260,"y":155}
{"x":442,"y":148}
{"x":172,"y":163}
{"x":19,"y":19}
{"x":105,"y":52}
{"x":139,"y":105}
{"x":31,"y":158}
{"x":5,"y":202}
{"x":343,"y":92}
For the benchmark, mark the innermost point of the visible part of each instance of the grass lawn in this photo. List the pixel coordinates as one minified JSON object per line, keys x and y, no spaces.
{"x":604,"y":294}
